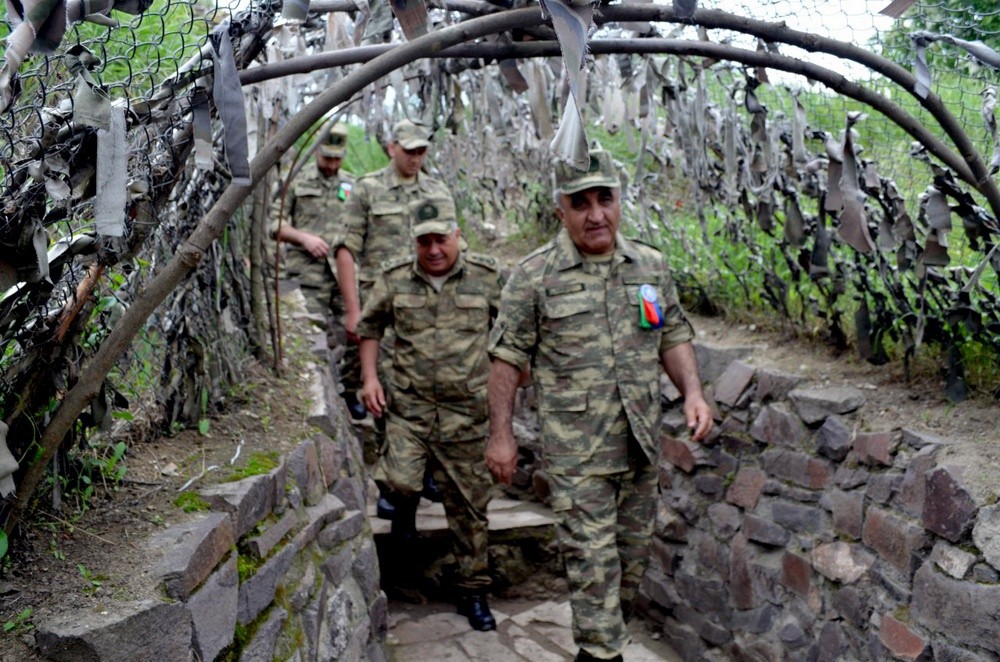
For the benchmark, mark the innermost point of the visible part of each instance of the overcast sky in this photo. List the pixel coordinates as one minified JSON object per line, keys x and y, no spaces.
{"x":853,"y":21}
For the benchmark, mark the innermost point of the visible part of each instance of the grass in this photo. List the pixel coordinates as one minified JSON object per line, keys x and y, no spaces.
{"x":247,"y":566}
{"x":257,"y":464}
{"x":190,"y":502}
{"x":20,"y":623}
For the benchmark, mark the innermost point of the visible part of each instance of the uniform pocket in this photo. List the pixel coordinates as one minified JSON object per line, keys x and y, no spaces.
{"x":478,"y":382}
{"x":411,"y":313}
{"x":388,"y":209}
{"x":563,"y":306}
{"x":472,"y":312}
{"x":568,"y":401}
{"x":307,"y":191}
{"x":569,"y":328}
{"x":390,"y":230}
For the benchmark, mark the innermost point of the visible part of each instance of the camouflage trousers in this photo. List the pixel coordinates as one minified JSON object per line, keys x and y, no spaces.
{"x":605,"y":524}
{"x":465,"y":482}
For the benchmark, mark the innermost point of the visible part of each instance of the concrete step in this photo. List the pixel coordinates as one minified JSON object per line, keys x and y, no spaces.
{"x":423,"y":626}
{"x":504,"y":514}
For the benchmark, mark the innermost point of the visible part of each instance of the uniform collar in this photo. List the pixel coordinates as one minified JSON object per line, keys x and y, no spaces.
{"x":392,"y":179}
{"x":457,"y":268}
{"x":570,"y":257}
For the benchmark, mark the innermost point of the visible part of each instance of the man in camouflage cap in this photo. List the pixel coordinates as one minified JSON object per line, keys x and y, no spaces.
{"x":440,"y":305}
{"x":377,"y":223}
{"x":596,"y":317}
{"x":377,"y":230}
{"x":313,"y":209}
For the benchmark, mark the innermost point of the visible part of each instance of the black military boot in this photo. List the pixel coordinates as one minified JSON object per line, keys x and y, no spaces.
{"x":385,"y":507}
{"x":432,"y":491}
{"x":404,"y":522}
{"x":477,"y":610}
{"x":355,"y":407}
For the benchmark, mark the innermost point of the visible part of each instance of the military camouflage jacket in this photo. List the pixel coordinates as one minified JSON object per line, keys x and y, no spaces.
{"x":377,"y":218}
{"x":590,"y":358}
{"x":440,"y":367}
{"x":316,"y":204}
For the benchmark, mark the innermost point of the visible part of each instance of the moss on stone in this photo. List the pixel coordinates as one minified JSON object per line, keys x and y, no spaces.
{"x":190,"y":502}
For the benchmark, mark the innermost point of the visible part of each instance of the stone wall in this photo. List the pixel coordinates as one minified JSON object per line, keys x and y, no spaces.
{"x":796,"y":534}
{"x":284,"y":566}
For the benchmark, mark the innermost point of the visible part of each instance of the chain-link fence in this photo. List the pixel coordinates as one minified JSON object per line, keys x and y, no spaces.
{"x":749,"y":162}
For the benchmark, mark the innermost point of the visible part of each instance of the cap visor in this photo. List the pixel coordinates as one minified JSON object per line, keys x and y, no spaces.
{"x":414,"y":143}
{"x":589,"y":182}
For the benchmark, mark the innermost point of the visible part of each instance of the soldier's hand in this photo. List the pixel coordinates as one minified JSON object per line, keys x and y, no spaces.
{"x":699,"y":417}
{"x":501,"y":456}
{"x":315,"y":246}
{"x":373,"y":397}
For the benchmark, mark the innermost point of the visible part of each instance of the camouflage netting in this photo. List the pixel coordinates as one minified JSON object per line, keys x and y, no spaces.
{"x":812,"y":158}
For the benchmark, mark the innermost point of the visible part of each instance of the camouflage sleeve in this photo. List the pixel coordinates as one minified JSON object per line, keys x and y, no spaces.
{"x":496,"y":288}
{"x":376,"y":315}
{"x":676,"y":327}
{"x":354,"y":220}
{"x":514,"y":336}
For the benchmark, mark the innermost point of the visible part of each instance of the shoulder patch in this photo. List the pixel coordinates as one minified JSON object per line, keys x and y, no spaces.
{"x":390,"y":265}
{"x":541,"y":250}
{"x":487,"y":261}
{"x":370,"y":176}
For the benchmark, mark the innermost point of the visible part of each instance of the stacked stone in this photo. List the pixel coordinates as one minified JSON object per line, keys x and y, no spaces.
{"x":796,"y":534}
{"x":314,"y":593}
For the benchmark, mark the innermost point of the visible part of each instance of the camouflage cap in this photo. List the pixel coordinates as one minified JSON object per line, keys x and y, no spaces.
{"x":602,"y":172}
{"x":333,"y":142}
{"x":433,"y":216}
{"x":410,"y":135}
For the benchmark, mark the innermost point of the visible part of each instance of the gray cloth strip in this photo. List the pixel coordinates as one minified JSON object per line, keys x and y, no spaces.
{"x":112,"y":176}
{"x":295,"y":10}
{"x":229,"y":102}
{"x":202,"y":126}
{"x":8,"y":465}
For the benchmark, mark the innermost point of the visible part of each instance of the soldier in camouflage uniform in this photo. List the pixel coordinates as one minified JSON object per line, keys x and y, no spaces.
{"x":377,"y":218}
{"x":377,"y":230}
{"x":595,"y":315}
{"x":313,"y":210}
{"x":440,"y":306}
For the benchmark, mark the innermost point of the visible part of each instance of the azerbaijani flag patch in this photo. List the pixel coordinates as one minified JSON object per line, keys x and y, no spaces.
{"x":650,"y":315}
